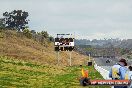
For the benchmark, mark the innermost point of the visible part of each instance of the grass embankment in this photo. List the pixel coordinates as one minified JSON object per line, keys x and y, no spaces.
{"x":17,"y":73}
{"x":16,"y":45}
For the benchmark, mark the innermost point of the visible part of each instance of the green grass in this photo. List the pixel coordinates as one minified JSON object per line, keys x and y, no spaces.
{"x":23,"y":74}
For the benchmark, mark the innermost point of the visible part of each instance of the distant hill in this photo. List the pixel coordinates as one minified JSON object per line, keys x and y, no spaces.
{"x":13,"y":44}
{"x":117,"y":43}
{"x":112,"y":47}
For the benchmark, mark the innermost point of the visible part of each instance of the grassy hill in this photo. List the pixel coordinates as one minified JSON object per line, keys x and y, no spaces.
{"x":25,"y":74}
{"x":25,"y":63}
{"x":15,"y":45}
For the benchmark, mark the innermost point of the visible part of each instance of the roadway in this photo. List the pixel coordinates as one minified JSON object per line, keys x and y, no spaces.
{"x":107,"y":66}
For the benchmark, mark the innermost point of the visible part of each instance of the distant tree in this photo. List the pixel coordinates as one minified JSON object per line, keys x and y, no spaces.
{"x":2,"y":25}
{"x":45,"y":34}
{"x":51,"y":39}
{"x":124,"y":51}
{"x":38,"y":33}
{"x":27,"y":33}
{"x":33,"y":31}
{"x":95,"y":40}
{"x":16,"y":19}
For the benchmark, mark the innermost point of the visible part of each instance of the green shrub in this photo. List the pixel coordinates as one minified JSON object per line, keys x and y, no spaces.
{"x":27,"y":33}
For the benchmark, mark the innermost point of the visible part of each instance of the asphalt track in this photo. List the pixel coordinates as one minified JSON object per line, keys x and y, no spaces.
{"x":107,"y":66}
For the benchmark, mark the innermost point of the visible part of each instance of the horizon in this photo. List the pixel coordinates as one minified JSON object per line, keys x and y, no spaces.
{"x":105,"y":39}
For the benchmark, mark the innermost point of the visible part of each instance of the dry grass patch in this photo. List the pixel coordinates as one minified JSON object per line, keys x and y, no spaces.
{"x":18,"y":46}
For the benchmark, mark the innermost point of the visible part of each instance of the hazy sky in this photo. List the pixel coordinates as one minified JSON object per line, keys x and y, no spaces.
{"x":86,"y":18}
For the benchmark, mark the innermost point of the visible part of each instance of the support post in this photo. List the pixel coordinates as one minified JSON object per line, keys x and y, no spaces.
{"x":58,"y":58}
{"x":70,"y":57}
{"x":89,"y":57}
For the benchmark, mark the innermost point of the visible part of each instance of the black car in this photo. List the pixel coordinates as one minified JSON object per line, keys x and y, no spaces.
{"x":107,"y":61}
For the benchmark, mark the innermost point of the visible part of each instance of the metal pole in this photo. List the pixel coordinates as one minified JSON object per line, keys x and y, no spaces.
{"x":58,"y":57}
{"x":70,"y":58}
{"x":89,"y":57}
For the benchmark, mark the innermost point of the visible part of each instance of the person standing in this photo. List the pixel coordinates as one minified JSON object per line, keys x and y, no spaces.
{"x":128,"y":76}
{"x":118,"y":71}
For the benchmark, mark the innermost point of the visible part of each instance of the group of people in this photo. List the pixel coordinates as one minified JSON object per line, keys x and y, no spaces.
{"x":121,"y":71}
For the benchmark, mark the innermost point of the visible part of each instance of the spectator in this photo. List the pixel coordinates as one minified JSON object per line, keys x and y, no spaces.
{"x":118,"y":71}
{"x":128,"y":75}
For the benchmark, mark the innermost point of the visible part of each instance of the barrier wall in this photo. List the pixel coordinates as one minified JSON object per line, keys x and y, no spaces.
{"x":102,"y":71}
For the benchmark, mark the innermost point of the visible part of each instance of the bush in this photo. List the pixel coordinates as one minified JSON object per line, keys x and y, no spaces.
{"x":27,"y":33}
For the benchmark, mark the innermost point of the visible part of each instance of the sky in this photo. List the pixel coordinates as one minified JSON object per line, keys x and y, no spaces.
{"x":89,"y":19}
